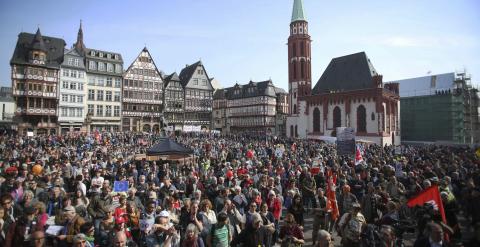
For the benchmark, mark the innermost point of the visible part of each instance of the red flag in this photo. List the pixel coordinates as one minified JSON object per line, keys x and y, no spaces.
{"x":332,"y":205}
{"x":431,"y":196}
{"x":358,"y":157}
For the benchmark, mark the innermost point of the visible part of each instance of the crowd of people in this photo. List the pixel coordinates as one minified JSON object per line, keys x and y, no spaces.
{"x":234,"y":191}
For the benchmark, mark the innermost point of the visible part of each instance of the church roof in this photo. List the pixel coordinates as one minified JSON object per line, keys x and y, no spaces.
{"x":298,"y":14}
{"x":54,"y":48}
{"x":347,"y":73}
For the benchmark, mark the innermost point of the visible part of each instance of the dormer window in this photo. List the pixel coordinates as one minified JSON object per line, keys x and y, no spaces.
{"x":294,"y":30}
{"x":109,"y":56}
{"x":93,"y":53}
{"x":100,"y":54}
{"x":116,"y":56}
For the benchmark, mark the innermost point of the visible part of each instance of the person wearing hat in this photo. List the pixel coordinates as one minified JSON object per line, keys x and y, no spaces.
{"x":19,"y":232}
{"x":72,"y":225}
{"x":351,"y":226}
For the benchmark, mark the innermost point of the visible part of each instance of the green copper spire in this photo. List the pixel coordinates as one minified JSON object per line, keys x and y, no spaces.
{"x":297,"y":13}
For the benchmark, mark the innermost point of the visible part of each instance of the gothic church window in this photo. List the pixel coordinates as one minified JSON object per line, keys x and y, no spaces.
{"x":361,"y":119}
{"x":337,"y":117}
{"x":316,"y":120}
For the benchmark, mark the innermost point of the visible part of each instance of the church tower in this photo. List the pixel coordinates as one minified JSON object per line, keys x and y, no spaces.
{"x":299,"y":58}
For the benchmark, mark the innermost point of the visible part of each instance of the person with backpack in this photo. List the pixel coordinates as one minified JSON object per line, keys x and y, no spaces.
{"x":220,"y":233}
{"x":351,"y":226}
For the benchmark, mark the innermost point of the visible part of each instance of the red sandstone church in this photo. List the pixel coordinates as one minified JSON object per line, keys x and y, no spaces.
{"x":350,"y":93}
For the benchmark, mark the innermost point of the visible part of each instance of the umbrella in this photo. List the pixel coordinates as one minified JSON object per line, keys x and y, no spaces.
{"x":168,"y":147}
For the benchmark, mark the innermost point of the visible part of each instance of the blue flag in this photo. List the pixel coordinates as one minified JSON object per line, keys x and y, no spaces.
{"x":120,"y":186}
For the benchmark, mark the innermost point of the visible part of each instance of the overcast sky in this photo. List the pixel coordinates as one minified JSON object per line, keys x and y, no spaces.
{"x":242,"y":40}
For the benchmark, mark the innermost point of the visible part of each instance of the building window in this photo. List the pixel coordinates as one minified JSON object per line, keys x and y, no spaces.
{"x":91,"y":94}
{"x":80,"y":86}
{"x":92,"y":65}
{"x":195,"y":81}
{"x":117,"y":96}
{"x":65,"y":84}
{"x":294,"y":109}
{"x":302,"y":69}
{"x":294,"y":64}
{"x":101,"y":66}
{"x":100,"y":82}
{"x":73,"y":73}
{"x":70,"y":61}
{"x":118,"y":67}
{"x":64,"y":112}
{"x":66,"y":72}
{"x":64,"y":98}
{"x":373,"y":116}
{"x":100,"y":54}
{"x":316,"y":120}
{"x":91,"y":81}
{"x":108,"y":111}
{"x":73,"y":98}
{"x":80,"y":99}
{"x":73,"y":86}
{"x":337,"y":117}
{"x":109,"y":67}
{"x":116,"y":111}
{"x":108,"y":95}
{"x":81,"y":74}
{"x":100,"y":95}
{"x":296,"y":131}
{"x":361,"y":119}
{"x":93,"y":53}
{"x":71,"y":112}
{"x":204,"y":82}
{"x":79,"y":112}
{"x":109,"y":81}
{"x":100,"y":110}
{"x":90,"y":109}
{"x":76,"y":62}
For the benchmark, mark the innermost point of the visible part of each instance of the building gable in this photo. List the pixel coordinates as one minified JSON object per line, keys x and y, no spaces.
{"x":195,"y":76}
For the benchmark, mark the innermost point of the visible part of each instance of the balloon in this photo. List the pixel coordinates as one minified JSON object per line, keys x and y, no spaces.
{"x":37,"y":169}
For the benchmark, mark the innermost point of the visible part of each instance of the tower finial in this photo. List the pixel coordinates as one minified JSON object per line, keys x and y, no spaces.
{"x":79,"y":45}
{"x":298,"y":14}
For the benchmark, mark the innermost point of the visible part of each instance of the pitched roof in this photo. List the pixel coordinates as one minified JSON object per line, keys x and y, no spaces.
{"x":297,"y":12}
{"x":262,"y":88}
{"x":187,"y":73}
{"x":38,"y":43}
{"x":54,"y":48}
{"x":219,"y":94}
{"x":171,"y":77}
{"x":347,"y":73}
{"x":280,"y":90}
{"x":150,"y":55}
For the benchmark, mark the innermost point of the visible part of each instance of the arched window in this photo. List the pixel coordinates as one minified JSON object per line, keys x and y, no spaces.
{"x":316,"y":120}
{"x":296,"y":131}
{"x":294,"y":64}
{"x":302,"y":69}
{"x":292,"y":134}
{"x":361,"y":119}
{"x":294,"y":109}
{"x":302,"y":48}
{"x":337,"y":117}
